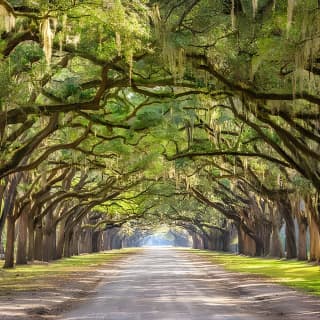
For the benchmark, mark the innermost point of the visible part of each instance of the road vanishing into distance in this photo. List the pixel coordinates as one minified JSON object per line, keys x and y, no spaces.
{"x":171,"y":284}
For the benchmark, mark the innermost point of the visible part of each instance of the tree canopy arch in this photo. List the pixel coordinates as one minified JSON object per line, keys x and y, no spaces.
{"x":198,"y":114}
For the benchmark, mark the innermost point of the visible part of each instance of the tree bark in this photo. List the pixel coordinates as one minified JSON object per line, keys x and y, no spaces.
{"x":75,"y":241}
{"x":226,"y":241}
{"x":275,"y":243}
{"x":38,"y":242}
{"x":9,"y":256}
{"x":197,"y":242}
{"x":107,"y":240}
{"x":30,"y":238}
{"x":276,"y":249}
{"x":61,"y":238}
{"x":95,"y":241}
{"x":286,"y":213}
{"x":302,"y":244}
{"x":240,"y":240}
{"x":67,"y":244}
{"x":10,"y":194}
{"x":86,"y":241}
{"x":314,"y":238}
{"x":49,"y":238}
{"x":2,"y":190}
{"x":247,"y":245}
{"x":22,"y":237}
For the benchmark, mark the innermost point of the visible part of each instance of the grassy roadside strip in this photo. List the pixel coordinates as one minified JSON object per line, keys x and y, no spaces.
{"x":46,"y":276}
{"x":301,"y":275}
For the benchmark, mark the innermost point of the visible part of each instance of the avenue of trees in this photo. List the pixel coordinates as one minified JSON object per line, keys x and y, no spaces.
{"x":119,"y":116}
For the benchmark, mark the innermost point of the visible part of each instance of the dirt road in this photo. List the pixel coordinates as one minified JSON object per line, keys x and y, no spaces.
{"x":168,"y":284}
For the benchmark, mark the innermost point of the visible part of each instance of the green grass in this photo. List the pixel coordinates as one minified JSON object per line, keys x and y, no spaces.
{"x":301,"y":275}
{"x":35,"y":276}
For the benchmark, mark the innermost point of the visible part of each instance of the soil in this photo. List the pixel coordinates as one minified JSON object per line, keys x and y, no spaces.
{"x":55,"y":294}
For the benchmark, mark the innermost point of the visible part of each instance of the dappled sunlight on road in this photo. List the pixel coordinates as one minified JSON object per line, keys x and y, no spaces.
{"x":162,"y":283}
{"x":25,"y":305}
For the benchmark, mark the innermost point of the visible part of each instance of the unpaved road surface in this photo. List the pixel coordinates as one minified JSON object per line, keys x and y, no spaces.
{"x":168,"y":284}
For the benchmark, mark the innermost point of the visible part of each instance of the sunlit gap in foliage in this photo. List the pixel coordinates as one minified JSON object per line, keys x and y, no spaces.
{"x":167,"y":236}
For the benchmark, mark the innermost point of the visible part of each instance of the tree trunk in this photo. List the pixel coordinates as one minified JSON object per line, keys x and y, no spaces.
{"x":302,"y":244}
{"x":49,"y":238}
{"x":240,"y":240}
{"x":9,"y":256}
{"x":107,"y":240}
{"x":314,"y":239}
{"x":205,"y":241}
{"x":67,"y":244}
{"x":276,"y":249}
{"x":226,"y":241}
{"x":9,"y":196}
{"x":86,"y":241}
{"x":38,"y":242}
{"x":95,"y":241}
{"x":125,"y":242}
{"x":22,"y":237}
{"x":49,"y":246}
{"x":266,"y":236}
{"x":61,"y":238}
{"x":196,"y":241}
{"x":2,"y":190}
{"x":112,"y":238}
{"x":30,"y":238}
{"x":275,"y":243}
{"x":247,"y":245}
{"x":212,"y":238}
{"x":286,"y":213}
{"x":75,"y":241}
{"x":116,"y":240}
{"x":258,"y":247}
